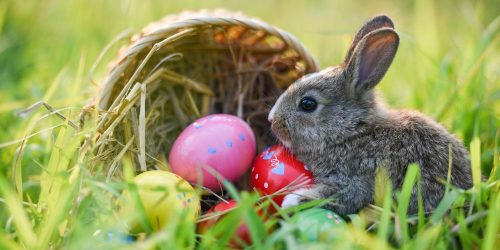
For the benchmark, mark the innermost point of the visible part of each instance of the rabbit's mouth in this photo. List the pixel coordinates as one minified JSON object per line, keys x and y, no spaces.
{"x":286,"y":143}
{"x":280,"y":130}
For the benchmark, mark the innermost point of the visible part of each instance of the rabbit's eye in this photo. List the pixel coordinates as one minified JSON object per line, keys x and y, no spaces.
{"x":308,"y":104}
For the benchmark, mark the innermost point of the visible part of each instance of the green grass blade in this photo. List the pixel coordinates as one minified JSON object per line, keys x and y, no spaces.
{"x":50,"y":226}
{"x":450,"y":165}
{"x":52,"y":180}
{"x":24,"y":228}
{"x":404,"y":199}
{"x":475,"y":155}
{"x":136,"y":199}
{"x":223,"y":231}
{"x":231,"y":189}
{"x":490,"y":241}
{"x":254,"y":223}
{"x":7,"y":244}
{"x":426,"y":238}
{"x":421,"y":211}
{"x":17,"y":171}
{"x":443,"y":207}
{"x":385,"y":220}
{"x":495,"y":173}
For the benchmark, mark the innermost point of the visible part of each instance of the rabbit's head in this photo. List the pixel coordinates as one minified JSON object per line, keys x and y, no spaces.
{"x":337,"y":103}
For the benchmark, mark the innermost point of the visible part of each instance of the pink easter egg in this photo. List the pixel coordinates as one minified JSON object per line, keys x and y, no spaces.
{"x":219,"y":143}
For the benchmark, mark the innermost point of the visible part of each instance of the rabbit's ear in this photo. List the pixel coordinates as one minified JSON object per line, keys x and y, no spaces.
{"x":378,"y":22}
{"x":371,"y":59}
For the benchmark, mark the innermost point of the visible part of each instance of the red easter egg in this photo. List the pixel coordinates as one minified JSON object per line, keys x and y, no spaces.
{"x":276,"y":168}
{"x":242,"y":231}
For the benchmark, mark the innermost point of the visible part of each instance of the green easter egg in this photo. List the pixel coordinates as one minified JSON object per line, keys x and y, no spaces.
{"x":315,"y":221}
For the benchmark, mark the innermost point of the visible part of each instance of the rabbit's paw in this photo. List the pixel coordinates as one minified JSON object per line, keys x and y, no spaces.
{"x":297,"y":197}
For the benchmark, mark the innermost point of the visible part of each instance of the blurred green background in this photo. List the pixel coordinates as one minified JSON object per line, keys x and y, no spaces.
{"x":447,"y":64}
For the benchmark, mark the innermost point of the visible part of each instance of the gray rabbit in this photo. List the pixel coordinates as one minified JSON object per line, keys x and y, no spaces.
{"x":333,"y":121}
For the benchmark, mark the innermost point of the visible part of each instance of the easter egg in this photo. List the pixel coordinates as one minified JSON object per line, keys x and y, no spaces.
{"x":242,"y":230}
{"x":163,"y":196}
{"x":313,"y":222}
{"x":215,"y":147}
{"x":276,"y":169}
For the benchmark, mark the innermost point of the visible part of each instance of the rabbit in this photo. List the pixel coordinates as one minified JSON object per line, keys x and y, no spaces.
{"x":336,"y":124}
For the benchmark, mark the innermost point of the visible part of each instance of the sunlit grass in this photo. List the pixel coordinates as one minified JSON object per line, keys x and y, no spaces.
{"x":447,"y":67}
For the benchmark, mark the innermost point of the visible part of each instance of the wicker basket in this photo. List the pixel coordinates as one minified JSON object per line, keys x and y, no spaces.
{"x":190,"y":65}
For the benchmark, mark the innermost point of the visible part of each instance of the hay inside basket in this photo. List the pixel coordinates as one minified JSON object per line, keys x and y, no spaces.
{"x":184,"y":67}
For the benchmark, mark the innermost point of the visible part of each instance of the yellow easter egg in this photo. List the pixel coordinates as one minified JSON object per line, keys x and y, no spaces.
{"x":163,"y":196}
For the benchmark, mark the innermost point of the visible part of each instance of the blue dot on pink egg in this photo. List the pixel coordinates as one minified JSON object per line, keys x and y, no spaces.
{"x":242,"y":137}
{"x":229,"y":144}
{"x":212,"y":151}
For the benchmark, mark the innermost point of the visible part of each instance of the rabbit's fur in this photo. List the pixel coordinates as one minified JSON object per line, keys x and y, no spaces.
{"x":351,"y":134}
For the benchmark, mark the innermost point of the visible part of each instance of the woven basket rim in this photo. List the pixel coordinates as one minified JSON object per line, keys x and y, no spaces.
{"x":166,"y":28}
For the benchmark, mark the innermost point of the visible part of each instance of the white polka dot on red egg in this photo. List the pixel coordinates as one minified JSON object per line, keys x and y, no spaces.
{"x":266,"y":185}
{"x":256,"y":176}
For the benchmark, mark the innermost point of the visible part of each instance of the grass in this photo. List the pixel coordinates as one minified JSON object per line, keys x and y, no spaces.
{"x":447,"y":67}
